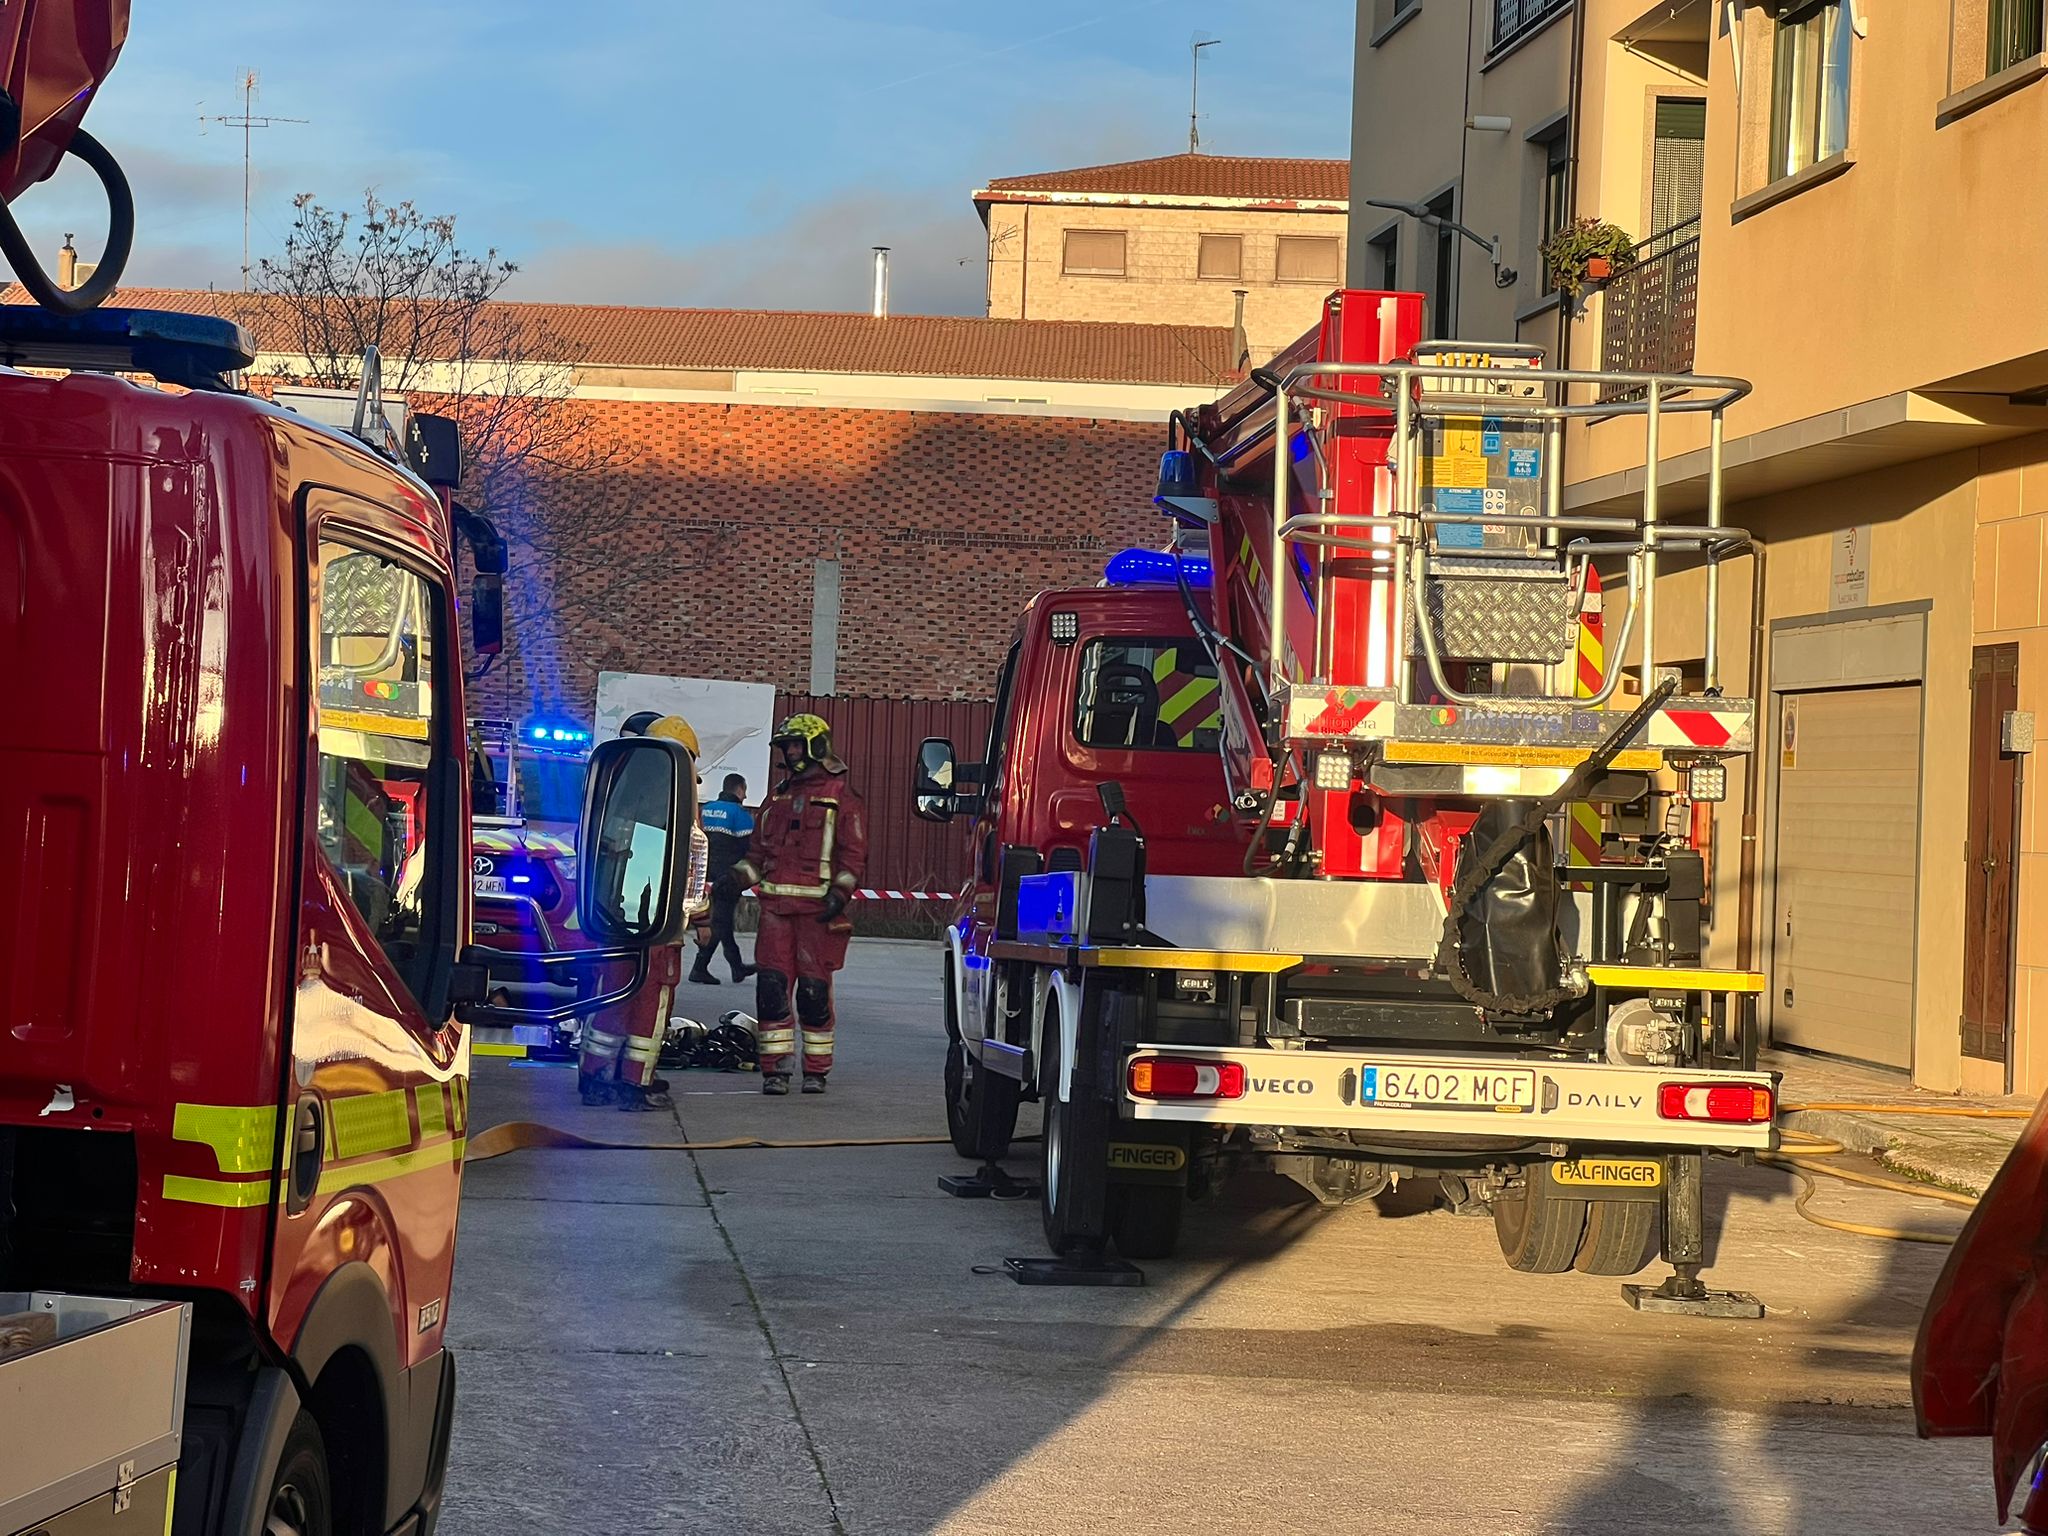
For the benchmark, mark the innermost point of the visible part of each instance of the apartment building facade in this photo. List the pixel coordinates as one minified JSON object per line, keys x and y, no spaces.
{"x":1189,"y":239}
{"x":1853,"y":229}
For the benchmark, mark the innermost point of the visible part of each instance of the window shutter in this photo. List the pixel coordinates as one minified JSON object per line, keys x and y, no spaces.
{"x":1098,"y":252}
{"x":1677,"y":163}
{"x":1306,"y":259}
{"x":1222,"y":256}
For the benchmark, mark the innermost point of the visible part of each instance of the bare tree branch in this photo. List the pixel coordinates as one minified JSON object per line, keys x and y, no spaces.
{"x":545,"y":467}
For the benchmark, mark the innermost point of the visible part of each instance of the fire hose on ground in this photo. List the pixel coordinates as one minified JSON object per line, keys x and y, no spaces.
{"x":1801,"y":1158}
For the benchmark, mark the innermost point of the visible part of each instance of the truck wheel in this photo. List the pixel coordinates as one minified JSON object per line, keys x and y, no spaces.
{"x":1621,"y":1238}
{"x":1144,"y":1219}
{"x":981,"y":1107}
{"x":301,"y":1504}
{"x":1538,"y":1228}
{"x":1068,"y":1165}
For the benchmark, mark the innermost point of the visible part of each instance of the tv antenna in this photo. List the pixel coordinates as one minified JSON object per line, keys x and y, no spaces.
{"x":1195,"y":46}
{"x":247,"y":121}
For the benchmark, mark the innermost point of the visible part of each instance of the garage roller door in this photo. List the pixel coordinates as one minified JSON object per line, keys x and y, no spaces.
{"x":1848,"y":834}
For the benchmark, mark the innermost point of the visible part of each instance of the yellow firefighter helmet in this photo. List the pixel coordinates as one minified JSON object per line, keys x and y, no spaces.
{"x":673,"y":727}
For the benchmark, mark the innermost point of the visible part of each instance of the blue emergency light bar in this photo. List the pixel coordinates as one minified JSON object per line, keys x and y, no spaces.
{"x":558,"y":735}
{"x":1153,"y":568}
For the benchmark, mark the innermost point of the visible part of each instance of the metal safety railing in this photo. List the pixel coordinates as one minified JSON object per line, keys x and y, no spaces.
{"x":1402,"y":541}
{"x":1650,"y":313}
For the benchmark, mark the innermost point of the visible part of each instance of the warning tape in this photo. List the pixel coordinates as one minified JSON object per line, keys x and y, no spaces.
{"x":903,"y":895}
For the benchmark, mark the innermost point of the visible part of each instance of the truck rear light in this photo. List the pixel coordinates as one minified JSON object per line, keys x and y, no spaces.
{"x":1176,"y":1077}
{"x":1333,"y":770}
{"x":1737,"y":1103}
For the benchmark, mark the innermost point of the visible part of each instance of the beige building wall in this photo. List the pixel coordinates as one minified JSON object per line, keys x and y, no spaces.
{"x":1160,"y":282}
{"x":1886,"y":305}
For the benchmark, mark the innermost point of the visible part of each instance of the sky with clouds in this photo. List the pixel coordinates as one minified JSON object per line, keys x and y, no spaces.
{"x":687,"y":152}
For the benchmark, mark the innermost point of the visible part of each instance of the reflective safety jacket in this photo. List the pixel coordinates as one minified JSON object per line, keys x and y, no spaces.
{"x":811,"y":837}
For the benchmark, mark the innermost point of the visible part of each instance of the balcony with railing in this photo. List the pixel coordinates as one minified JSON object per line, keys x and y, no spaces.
{"x":1650,"y":311}
{"x":1513,"y":18}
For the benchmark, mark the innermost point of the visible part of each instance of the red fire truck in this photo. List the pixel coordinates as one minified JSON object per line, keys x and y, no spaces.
{"x":235,"y":937}
{"x":1266,"y":866}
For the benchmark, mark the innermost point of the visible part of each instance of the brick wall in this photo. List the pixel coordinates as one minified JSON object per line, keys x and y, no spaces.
{"x":1160,"y":284}
{"x":944,"y":524}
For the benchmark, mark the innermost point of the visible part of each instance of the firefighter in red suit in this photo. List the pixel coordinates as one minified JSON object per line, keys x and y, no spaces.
{"x":809,"y":852}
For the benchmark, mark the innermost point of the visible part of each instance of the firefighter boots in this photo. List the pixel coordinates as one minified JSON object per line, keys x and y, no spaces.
{"x":776,"y":1083}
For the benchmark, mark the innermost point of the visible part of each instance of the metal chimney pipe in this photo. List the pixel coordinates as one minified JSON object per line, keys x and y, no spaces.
{"x":67,"y":265}
{"x":881,"y":309}
{"x":1240,"y":344}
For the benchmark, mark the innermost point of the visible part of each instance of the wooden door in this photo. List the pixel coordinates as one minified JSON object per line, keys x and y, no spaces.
{"x":1990,"y":854}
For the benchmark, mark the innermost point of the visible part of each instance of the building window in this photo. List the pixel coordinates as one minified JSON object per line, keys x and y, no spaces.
{"x":1512,"y":18}
{"x":1810,"y":86}
{"x":1383,"y":266}
{"x":1308,"y":259}
{"x":1678,"y":159}
{"x":1093,"y":253}
{"x":2012,"y":33}
{"x":1443,"y":287}
{"x":1386,"y":12}
{"x":1222,"y":256}
{"x":1553,"y":209}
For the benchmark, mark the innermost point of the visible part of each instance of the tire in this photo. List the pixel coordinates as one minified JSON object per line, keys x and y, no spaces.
{"x":981,"y":1107}
{"x":301,"y":1500}
{"x":1622,"y":1237}
{"x":1538,"y":1229}
{"x":1144,"y":1219}
{"x":1063,"y":1149}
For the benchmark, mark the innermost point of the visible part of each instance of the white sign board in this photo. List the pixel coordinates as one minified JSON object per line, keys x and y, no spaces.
{"x":1849,"y":584}
{"x":732,"y":720}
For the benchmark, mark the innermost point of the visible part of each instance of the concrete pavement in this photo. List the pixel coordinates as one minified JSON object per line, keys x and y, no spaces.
{"x":801,"y":1341}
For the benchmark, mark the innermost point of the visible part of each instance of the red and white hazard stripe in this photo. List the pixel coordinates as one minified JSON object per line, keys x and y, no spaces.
{"x":902,"y":895}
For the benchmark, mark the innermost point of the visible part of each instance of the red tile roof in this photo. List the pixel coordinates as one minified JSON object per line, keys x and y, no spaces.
{"x":1237,"y":177}
{"x":949,"y":346}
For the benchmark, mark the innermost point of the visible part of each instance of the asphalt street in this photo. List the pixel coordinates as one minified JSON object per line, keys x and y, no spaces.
{"x":810,"y":1341}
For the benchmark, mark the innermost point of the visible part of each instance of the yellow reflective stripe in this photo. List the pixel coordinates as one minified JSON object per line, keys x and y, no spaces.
{"x":458,"y":1088}
{"x":243,"y":1136}
{"x":370,"y":1122}
{"x":1186,"y":699}
{"x":830,"y":839}
{"x":232,"y":1194}
{"x":1189,"y":960}
{"x":794,"y":890}
{"x":419,"y":1160}
{"x":646,"y":1049}
{"x":170,"y":1500}
{"x":812,"y":1037}
{"x":432,"y":1100}
{"x":1653,"y":978}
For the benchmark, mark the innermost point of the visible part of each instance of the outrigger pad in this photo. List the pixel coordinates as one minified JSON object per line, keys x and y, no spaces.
{"x":1077,"y":1270}
{"x":1661,"y":1298}
{"x":988,"y":1182}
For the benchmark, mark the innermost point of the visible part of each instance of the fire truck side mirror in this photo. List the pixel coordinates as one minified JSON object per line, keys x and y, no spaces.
{"x":936,"y":776}
{"x":633,"y":843}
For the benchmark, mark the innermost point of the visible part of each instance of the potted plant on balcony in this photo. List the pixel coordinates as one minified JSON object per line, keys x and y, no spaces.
{"x":1587,"y":251}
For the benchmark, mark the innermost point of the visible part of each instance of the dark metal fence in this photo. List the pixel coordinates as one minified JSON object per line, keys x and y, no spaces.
{"x":1652,"y":309}
{"x":879,"y":740}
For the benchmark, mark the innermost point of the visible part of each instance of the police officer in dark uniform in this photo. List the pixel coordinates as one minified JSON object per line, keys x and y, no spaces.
{"x":730,"y":827}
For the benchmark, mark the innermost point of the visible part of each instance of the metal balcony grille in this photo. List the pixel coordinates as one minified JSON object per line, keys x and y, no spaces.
{"x":1511,"y":18}
{"x":1652,"y":309}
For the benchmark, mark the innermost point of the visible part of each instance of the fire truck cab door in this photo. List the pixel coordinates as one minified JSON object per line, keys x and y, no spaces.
{"x":376,"y":1099}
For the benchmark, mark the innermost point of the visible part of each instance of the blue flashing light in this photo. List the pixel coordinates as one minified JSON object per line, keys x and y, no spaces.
{"x":1153,"y":568}
{"x":559,"y":735}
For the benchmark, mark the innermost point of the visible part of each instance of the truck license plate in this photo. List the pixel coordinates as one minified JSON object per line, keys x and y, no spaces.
{"x":1484,"y":1088}
{"x":489,"y":885}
